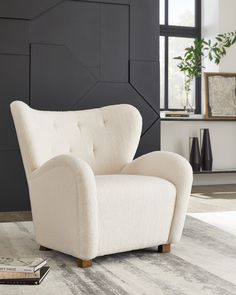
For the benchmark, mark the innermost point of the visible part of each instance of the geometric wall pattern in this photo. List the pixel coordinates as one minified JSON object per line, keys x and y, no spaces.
{"x":65,"y":55}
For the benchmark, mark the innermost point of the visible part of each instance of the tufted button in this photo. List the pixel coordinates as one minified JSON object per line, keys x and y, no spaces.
{"x":78,"y":126}
{"x":54,"y":125}
{"x":103,"y":122}
{"x":94,"y":149}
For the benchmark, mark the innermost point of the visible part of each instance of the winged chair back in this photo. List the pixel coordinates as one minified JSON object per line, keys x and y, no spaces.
{"x":106,"y":138}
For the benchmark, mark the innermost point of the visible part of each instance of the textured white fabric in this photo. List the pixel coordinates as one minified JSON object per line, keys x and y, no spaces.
{"x":106,"y":138}
{"x":87,"y":196}
{"x":64,"y":206}
{"x":175,"y":169}
{"x":134,"y":212}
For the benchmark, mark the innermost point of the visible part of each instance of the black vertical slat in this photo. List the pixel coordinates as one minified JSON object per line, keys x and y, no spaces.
{"x":166,"y":12}
{"x":198,"y":90}
{"x":166,"y":72}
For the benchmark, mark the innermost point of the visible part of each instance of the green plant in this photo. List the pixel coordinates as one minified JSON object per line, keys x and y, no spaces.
{"x":191,"y":63}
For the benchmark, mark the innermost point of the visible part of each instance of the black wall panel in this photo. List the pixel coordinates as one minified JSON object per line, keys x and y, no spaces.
{"x":71,"y":54}
{"x":144,"y":30}
{"x":25,"y":9}
{"x":55,"y":75}
{"x":144,"y":79}
{"x":14,"y":36}
{"x":114,"y":34}
{"x":14,"y":76}
{"x":14,"y":191}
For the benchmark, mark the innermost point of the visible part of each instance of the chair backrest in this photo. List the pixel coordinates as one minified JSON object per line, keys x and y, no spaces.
{"x":106,"y":138}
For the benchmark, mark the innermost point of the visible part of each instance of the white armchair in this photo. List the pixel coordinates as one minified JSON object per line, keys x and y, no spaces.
{"x":88,"y":197}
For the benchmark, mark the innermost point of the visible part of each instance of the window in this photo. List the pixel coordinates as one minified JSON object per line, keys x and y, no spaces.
{"x":180,"y":24}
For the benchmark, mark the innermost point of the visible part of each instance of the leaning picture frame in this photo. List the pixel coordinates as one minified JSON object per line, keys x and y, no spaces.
{"x":220,"y":95}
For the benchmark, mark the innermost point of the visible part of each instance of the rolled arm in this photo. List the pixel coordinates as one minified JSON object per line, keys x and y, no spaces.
{"x":64,"y":206}
{"x":175,"y":169}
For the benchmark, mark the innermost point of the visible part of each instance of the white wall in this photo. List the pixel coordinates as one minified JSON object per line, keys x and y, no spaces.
{"x":210,"y":26}
{"x":218,"y":16}
{"x":227,"y":23}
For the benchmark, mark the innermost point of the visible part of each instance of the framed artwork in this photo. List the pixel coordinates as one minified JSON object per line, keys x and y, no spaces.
{"x":220,"y":95}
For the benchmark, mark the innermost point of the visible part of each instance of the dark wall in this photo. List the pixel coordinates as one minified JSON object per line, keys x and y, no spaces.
{"x":70,"y":55}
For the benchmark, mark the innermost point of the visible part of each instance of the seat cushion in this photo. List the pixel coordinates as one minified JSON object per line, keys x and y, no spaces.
{"x":134,"y":212}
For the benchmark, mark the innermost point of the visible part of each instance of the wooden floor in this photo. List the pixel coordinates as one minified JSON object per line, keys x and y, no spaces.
{"x":213,"y":198}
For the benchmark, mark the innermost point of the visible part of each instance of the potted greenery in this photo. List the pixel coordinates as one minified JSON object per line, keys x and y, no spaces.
{"x":191,"y":63}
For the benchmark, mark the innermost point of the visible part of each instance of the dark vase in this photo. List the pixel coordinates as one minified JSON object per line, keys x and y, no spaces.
{"x":195,"y":158}
{"x":206,"y":152}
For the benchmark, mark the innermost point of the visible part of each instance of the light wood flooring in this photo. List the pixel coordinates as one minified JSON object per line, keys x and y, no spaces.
{"x":213,"y":198}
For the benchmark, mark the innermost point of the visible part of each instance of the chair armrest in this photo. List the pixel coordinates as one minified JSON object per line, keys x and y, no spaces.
{"x":175,"y":169}
{"x":64,"y":206}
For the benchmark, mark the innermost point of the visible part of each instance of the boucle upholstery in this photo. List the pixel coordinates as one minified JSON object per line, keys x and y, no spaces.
{"x":88,"y":196}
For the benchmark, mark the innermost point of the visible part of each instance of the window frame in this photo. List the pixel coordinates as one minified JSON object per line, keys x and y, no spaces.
{"x":167,"y":31}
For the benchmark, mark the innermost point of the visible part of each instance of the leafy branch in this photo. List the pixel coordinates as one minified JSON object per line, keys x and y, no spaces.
{"x":191,"y":63}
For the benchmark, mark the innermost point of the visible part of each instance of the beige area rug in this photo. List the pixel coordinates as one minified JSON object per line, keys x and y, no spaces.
{"x":203,"y":263}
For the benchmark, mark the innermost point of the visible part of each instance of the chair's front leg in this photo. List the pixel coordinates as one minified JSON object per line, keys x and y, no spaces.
{"x":84,"y":263}
{"x":166,"y":248}
{"x":81,"y":263}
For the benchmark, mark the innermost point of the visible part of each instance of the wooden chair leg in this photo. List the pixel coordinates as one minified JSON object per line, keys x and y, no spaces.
{"x":164,"y":248}
{"x":84,"y":263}
{"x":42,"y":248}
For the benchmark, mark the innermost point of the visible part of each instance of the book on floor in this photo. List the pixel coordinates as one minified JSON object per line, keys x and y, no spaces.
{"x":29,"y":265}
{"x":27,"y":281}
{"x":19,"y":275}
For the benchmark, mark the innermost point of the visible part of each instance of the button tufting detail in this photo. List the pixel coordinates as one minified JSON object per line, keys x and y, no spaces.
{"x":94,"y":149}
{"x":54,"y":125}
{"x":103,"y":123}
{"x":78,"y":125}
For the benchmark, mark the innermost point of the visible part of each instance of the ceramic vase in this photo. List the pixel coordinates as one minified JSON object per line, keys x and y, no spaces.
{"x":206,"y":151}
{"x":195,"y":158}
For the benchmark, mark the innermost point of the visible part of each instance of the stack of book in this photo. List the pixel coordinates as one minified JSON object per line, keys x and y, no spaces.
{"x":22,"y":271}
